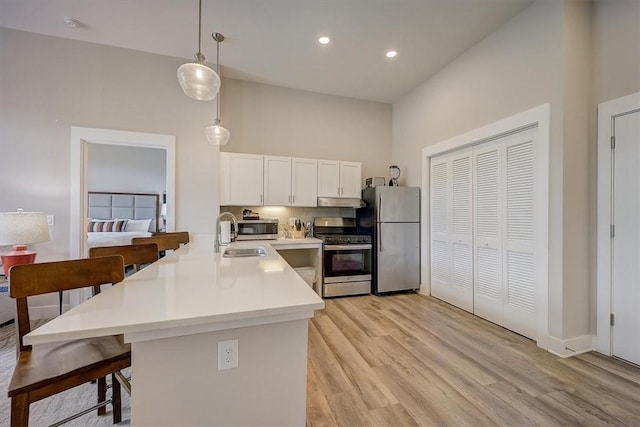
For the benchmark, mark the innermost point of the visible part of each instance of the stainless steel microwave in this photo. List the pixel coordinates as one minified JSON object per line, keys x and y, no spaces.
{"x":258,"y":229}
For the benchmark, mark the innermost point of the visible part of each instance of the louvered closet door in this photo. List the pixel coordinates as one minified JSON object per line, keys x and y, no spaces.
{"x":452,"y":273}
{"x":518,"y":293}
{"x":440,"y":231}
{"x":487,"y":256}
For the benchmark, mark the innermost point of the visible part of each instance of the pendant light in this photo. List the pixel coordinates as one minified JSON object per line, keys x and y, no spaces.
{"x":216,"y":134}
{"x":196,"y":79}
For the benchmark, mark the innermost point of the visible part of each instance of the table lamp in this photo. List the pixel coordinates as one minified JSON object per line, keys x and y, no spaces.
{"x":21,"y":229}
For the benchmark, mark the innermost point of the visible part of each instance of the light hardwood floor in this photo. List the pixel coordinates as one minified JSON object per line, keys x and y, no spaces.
{"x":407,"y":360}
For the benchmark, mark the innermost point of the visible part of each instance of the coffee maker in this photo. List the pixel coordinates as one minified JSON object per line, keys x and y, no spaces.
{"x":394,"y":172}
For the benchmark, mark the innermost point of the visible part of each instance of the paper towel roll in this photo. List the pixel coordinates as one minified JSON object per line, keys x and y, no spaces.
{"x":225,"y":232}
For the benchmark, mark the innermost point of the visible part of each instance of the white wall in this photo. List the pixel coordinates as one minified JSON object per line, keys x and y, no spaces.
{"x":286,"y":122}
{"x":516,"y":68}
{"x":49,"y":84}
{"x":116,"y":168}
{"x":615,"y":73}
{"x":572,"y":54}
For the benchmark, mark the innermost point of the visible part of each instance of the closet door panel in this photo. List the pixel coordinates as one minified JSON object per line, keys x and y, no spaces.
{"x":461,"y":231}
{"x":488,"y":283}
{"x":451,"y":229}
{"x":519,"y":258}
{"x":440,"y":232}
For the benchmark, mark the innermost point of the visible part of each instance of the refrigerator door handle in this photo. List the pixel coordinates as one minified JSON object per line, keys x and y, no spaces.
{"x":380,"y":237}
{"x":379,"y":207}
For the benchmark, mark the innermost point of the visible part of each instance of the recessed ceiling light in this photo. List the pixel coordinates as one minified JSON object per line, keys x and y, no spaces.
{"x":391,"y":54}
{"x":71,"y":22}
{"x":324,"y":40}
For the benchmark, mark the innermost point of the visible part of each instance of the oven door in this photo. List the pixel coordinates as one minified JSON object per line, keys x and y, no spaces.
{"x":347,"y":263}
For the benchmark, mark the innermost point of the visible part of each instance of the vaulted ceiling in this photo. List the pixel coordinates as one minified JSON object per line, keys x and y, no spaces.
{"x":275,"y":41}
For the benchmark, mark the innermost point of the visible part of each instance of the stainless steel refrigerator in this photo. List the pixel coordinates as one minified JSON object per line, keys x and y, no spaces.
{"x":392,"y":217}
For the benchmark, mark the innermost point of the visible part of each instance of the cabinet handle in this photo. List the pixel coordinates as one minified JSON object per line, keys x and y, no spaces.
{"x":261,"y":198}
{"x":293,"y":199}
{"x":289,"y":199}
{"x":338,"y":191}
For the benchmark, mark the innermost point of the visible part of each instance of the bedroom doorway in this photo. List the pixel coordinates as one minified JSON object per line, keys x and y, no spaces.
{"x":80,"y":139}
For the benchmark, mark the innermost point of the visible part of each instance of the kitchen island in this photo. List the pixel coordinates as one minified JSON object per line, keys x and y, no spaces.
{"x":176,"y":311}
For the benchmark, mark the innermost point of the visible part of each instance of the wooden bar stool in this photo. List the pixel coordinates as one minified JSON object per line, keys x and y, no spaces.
{"x":43,"y":370}
{"x":183,"y":236}
{"x":134,"y":255}
{"x":164,"y":243}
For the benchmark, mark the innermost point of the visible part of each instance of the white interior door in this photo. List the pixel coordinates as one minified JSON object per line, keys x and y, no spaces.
{"x":625,"y":285}
{"x":519,"y":290}
{"x":451,"y":229}
{"x":487,"y":239}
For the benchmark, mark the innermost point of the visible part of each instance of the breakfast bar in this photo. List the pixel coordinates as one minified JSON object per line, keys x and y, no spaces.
{"x":180,"y":313}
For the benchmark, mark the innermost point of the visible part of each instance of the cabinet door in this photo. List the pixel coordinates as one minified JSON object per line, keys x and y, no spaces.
{"x":304,"y":182}
{"x":328,"y":178}
{"x":350,"y":179}
{"x":241,"y":179}
{"x":277,"y":181}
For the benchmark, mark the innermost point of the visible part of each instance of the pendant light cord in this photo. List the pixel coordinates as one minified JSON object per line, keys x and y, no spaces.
{"x":199,"y":24}
{"x":218,"y":72}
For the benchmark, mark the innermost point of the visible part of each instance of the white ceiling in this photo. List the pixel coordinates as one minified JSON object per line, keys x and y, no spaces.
{"x":275,"y":41}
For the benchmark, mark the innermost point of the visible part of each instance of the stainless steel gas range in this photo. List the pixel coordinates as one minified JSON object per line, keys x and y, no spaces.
{"x":346,"y":257}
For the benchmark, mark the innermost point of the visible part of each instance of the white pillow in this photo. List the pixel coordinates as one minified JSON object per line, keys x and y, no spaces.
{"x":139,"y":225}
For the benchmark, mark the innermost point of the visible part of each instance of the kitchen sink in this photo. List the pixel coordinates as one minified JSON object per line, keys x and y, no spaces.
{"x":244,"y":252}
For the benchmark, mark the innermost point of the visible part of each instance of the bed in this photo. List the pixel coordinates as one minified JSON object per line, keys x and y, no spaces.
{"x":116,"y":218}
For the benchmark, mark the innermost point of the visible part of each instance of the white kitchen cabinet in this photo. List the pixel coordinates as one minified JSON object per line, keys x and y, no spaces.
{"x":277,"y":181}
{"x":339,"y":179}
{"x":290,"y":181}
{"x":241,"y":179}
{"x":304,"y":182}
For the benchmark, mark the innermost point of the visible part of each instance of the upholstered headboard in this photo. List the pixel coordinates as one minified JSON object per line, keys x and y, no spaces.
{"x":103,"y":205}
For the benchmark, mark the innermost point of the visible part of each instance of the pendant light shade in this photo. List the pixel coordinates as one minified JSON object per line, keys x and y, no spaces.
{"x":196,"y":79}
{"x":217,"y":134}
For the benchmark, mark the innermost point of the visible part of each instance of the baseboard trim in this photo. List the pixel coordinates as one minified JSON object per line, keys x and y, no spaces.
{"x":46,"y":311}
{"x":424,"y":290}
{"x":572,"y":346}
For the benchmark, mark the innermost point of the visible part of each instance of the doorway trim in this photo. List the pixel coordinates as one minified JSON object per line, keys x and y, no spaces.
{"x":539,"y":117}
{"x":80,"y":138}
{"x":607,"y":112}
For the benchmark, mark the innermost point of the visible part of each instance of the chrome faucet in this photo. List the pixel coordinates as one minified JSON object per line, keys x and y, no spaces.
{"x":217,"y":243}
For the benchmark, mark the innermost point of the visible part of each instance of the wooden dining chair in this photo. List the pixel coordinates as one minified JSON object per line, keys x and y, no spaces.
{"x":164,"y":242}
{"x":183,"y":236}
{"x":43,"y":370}
{"x":133,"y":255}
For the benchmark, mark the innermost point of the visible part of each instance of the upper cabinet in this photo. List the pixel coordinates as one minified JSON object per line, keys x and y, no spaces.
{"x":254,"y":180}
{"x":290,"y":181}
{"x":241,"y":177}
{"x":339,"y":179}
{"x":304,"y":182}
{"x":277,"y":181}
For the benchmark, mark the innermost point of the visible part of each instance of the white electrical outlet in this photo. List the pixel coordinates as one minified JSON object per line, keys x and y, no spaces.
{"x":51,"y":220}
{"x":227,"y":354}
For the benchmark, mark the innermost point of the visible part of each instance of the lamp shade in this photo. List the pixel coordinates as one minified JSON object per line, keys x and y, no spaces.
{"x":198,"y":81}
{"x":23,"y":228}
{"x":217,"y":135}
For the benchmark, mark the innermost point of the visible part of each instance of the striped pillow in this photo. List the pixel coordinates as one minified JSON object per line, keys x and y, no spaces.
{"x":116,"y":225}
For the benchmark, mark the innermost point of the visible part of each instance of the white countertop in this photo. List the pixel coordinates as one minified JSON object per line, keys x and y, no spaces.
{"x":306,"y":243}
{"x":190,"y":291}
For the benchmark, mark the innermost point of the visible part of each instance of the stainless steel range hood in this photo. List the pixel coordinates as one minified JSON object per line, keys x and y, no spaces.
{"x":340,"y":202}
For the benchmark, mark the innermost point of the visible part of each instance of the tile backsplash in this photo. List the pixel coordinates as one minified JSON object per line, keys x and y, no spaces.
{"x":283,"y":213}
